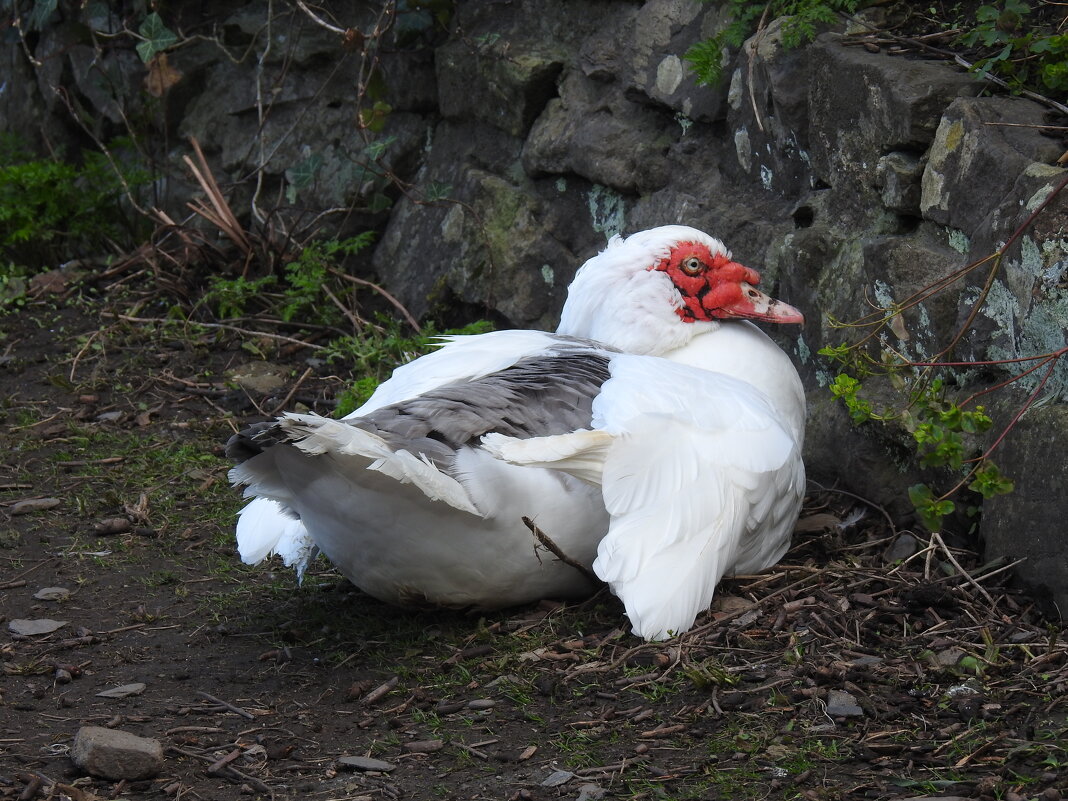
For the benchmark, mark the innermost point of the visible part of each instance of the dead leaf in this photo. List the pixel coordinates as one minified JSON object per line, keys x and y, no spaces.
{"x":161,"y":76}
{"x":897,"y":325}
{"x":730,"y":603}
{"x":817,"y":522}
{"x":53,"y":282}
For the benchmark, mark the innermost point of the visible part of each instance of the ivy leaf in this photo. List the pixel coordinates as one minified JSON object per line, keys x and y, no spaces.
{"x":374,"y":118}
{"x":436,"y":190}
{"x":379,"y":202}
{"x":302,"y":174}
{"x":157,"y":37}
{"x":378,"y":148}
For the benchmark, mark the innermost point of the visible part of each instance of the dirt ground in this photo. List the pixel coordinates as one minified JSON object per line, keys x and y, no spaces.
{"x":866,"y":665}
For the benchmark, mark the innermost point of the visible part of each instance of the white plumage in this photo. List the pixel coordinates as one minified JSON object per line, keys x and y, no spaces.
{"x":648,"y":438}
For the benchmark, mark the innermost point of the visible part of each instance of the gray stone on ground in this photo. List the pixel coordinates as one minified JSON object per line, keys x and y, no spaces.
{"x":52,"y":594}
{"x":28,"y":627}
{"x":842,"y":705}
{"x":116,"y":754}
{"x":365,"y":763}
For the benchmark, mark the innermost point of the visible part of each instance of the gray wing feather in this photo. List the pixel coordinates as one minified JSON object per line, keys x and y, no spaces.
{"x":538,"y":396}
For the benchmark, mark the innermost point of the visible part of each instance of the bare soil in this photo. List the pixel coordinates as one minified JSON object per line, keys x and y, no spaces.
{"x":866,"y":665}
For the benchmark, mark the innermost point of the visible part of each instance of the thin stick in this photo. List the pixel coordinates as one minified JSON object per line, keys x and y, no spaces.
{"x":161,"y":320}
{"x":381,"y":691}
{"x":547,"y":542}
{"x":285,"y":401}
{"x":229,"y":772}
{"x":363,"y":282}
{"x":238,"y":710}
{"x":357,"y":323}
{"x":936,"y":536}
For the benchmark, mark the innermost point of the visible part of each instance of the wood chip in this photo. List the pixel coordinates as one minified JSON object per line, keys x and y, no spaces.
{"x":33,"y":505}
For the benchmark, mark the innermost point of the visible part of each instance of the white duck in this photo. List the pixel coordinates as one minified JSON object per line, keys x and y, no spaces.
{"x":651,"y":438}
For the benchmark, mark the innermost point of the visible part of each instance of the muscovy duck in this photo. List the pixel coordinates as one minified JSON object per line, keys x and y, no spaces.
{"x":655,"y":437}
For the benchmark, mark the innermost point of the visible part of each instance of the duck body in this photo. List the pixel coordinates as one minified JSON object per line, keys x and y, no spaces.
{"x":649,"y":438}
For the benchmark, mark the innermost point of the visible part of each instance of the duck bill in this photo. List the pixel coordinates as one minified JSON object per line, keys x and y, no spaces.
{"x":756,"y":305}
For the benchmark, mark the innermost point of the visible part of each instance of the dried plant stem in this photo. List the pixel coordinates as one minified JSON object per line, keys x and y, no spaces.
{"x":547,"y":542}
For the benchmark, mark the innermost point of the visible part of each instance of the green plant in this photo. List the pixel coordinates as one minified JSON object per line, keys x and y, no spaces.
{"x":307,"y":291}
{"x":52,"y":210}
{"x":308,"y":277}
{"x":12,"y":286}
{"x":946,"y":432}
{"x":1017,"y":49}
{"x":802,"y":20}
{"x":232,"y":296}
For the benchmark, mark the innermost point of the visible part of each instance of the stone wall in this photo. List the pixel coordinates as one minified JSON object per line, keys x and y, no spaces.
{"x":847,"y":177}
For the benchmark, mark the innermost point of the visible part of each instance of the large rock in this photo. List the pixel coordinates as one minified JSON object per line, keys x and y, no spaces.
{"x":886,"y":105}
{"x":1028,"y":523}
{"x":116,"y":754}
{"x":506,"y":91}
{"x":661,"y":33}
{"x":769,"y":108}
{"x":601,"y":136}
{"x":984,"y":177}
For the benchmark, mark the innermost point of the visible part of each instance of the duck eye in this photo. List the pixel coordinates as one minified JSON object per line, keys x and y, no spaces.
{"x":693,"y":266}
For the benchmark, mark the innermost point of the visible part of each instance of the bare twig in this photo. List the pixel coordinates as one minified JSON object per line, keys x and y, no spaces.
{"x":396,"y":303}
{"x":162,"y":320}
{"x":319,"y":20}
{"x":547,"y":542}
{"x":289,"y":396}
{"x":236,"y":709}
{"x":937,"y":538}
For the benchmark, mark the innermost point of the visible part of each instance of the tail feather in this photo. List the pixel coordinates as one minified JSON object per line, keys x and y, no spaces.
{"x":315,"y":436}
{"x":264,"y":528}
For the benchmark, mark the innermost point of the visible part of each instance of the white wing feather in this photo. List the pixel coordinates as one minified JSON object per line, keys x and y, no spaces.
{"x":694,"y":472}
{"x":698,"y":474}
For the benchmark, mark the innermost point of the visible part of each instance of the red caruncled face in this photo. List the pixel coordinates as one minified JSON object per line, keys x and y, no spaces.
{"x":714,"y":287}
